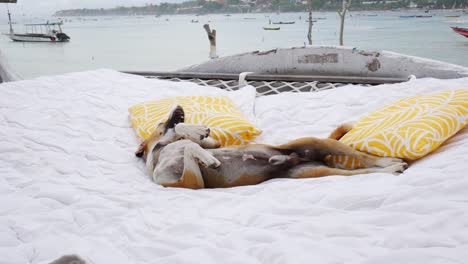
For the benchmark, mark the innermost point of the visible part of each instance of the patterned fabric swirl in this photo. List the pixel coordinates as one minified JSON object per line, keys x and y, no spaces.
{"x":226,"y":122}
{"x":410,"y":128}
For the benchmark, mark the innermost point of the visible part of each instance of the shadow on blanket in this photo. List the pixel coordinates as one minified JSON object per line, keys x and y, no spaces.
{"x":69,"y":259}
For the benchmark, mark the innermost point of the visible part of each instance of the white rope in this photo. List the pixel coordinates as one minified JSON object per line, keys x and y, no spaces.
{"x":242,"y":81}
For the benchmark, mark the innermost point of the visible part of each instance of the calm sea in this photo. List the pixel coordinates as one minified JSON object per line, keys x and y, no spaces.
{"x":171,"y":42}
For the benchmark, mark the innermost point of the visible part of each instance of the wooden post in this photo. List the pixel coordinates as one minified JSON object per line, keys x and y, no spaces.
{"x":212,"y":39}
{"x":309,"y":32}
{"x":342,"y":14}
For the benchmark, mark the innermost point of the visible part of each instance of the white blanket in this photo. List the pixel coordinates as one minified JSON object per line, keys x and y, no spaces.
{"x":69,"y":183}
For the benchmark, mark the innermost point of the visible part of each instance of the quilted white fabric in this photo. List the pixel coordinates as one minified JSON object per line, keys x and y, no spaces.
{"x":69,"y":183}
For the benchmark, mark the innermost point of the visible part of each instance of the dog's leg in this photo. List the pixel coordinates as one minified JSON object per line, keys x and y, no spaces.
{"x":209,"y":143}
{"x":314,"y":171}
{"x":196,"y":133}
{"x":340,"y":131}
{"x":201,"y":156}
{"x":318,"y":149}
{"x":191,"y":177}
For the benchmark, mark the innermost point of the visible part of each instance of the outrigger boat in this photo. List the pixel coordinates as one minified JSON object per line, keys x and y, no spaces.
{"x":309,"y":69}
{"x":271,"y":28}
{"x":43,"y":32}
{"x":461,"y":31}
{"x":418,"y":16}
{"x":284,"y":23}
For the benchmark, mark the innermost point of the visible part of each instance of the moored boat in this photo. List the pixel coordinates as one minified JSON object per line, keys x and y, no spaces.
{"x":310,"y":68}
{"x":330,"y":61}
{"x":284,"y":23}
{"x":416,"y":16}
{"x":461,"y":31}
{"x":53,"y":33}
{"x":271,"y":28}
{"x":42,"y":32}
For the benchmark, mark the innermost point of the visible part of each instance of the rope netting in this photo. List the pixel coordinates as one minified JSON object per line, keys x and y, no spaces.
{"x":262,"y":87}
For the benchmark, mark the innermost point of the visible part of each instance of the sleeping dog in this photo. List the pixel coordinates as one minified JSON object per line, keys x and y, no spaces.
{"x":183,"y":155}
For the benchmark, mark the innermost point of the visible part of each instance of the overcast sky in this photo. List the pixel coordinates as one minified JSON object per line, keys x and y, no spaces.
{"x":32,"y":7}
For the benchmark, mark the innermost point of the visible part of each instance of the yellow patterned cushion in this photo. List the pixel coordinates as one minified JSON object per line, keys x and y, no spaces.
{"x":226,"y":122}
{"x":409,"y":128}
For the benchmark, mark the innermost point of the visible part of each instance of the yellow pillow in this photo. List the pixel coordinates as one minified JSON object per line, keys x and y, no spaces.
{"x":226,"y":122}
{"x":409,"y":129}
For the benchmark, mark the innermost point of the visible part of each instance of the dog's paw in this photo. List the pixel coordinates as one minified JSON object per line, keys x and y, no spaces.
{"x":388,"y":161}
{"x":207,"y":160}
{"x":396,"y":168}
{"x":192,"y":132}
{"x":215,"y":164}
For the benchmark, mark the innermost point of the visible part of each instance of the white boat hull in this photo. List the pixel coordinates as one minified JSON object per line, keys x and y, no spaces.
{"x":21,"y":38}
{"x":331,"y":61}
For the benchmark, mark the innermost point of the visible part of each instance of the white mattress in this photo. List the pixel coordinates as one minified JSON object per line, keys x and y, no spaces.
{"x":69,"y":183}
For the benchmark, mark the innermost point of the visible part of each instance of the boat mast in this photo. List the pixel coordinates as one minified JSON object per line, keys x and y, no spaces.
{"x":9,"y":15}
{"x":9,"y":20}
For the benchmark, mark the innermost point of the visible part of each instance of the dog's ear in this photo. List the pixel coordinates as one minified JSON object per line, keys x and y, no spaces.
{"x":177,"y":116}
{"x":141,"y":149}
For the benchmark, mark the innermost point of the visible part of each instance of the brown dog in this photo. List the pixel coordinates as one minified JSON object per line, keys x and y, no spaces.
{"x":183,"y":155}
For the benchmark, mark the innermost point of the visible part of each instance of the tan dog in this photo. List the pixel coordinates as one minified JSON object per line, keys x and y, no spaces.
{"x":183,"y":155}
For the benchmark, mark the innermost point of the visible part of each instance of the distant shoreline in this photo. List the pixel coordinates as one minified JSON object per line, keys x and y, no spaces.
{"x":204,"y":7}
{"x":71,"y":13}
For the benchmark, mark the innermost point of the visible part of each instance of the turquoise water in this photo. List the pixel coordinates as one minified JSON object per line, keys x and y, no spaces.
{"x":150,"y":43}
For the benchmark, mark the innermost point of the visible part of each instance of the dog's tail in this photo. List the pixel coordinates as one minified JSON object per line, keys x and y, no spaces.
{"x":339,"y":132}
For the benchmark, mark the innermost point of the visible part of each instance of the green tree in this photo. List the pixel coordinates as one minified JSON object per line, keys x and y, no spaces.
{"x":212,"y":6}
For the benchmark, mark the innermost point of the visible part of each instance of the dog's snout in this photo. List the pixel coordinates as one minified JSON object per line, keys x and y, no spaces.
{"x":206,"y":135}
{"x":141,"y":150}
